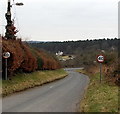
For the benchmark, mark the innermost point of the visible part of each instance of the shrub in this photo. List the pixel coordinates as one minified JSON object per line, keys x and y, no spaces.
{"x":40,"y":63}
{"x":26,"y":59}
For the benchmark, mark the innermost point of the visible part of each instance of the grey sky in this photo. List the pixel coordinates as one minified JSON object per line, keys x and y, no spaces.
{"x":53,"y":20}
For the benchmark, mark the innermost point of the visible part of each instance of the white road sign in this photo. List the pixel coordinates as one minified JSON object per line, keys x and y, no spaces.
{"x":100,"y":58}
{"x":6,"y":55}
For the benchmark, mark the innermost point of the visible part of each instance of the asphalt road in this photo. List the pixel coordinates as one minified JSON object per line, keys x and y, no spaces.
{"x":60,"y":96}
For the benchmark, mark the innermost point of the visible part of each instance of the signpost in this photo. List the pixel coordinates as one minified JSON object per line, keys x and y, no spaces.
{"x":100,"y":59}
{"x":6,"y":55}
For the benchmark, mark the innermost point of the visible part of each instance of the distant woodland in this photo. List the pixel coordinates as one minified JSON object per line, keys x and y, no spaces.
{"x":85,"y":53}
{"x":75,"y":47}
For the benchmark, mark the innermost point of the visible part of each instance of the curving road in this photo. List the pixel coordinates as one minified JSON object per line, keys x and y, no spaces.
{"x":58,"y":96}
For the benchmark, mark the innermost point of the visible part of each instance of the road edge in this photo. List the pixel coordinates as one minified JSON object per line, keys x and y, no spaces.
{"x":40,"y":84}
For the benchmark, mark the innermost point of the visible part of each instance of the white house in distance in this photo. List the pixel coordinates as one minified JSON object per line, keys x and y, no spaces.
{"x":60,"y":53}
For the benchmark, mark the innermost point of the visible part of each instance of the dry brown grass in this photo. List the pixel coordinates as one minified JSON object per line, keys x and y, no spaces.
{"x":24,"y":81}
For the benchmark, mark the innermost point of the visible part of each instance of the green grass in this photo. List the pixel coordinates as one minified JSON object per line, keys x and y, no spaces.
{"x":64,"y":57}
{"x":24,"y":81}
{"x":100,"y":97}
{"x":81,"y":71}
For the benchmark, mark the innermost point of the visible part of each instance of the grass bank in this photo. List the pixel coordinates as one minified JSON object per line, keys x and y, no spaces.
{"x":24,"y":81}
{"x":99,"y":97}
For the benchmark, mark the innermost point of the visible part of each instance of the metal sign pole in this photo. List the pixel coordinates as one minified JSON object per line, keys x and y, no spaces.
{"x":5,"y":69}
{"x":100,"y":72}
{"x":100,"y":59}
{"x":6,"y":55}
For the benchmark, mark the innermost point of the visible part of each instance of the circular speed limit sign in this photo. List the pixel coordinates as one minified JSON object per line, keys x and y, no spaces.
{"x":6,"y":55}
{"x":100,"y":58}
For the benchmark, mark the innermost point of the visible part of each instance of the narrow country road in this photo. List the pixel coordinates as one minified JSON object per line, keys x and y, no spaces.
{"x":59,"y":96}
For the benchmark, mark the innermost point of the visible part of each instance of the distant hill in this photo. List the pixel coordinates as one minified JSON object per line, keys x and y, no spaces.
{"x":85,"y":53}
{"x":37,"y":41}
{"x":74,"y":47}
{"x":33,"y":41}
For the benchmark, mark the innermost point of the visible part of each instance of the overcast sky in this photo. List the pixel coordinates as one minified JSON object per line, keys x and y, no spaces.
{"x":59,"y":20}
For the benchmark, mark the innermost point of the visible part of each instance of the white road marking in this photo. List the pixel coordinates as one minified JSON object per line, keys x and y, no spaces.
{"x":51,"y":87}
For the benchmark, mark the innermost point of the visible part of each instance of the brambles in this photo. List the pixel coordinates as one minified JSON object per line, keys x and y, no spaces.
{"x":26,"y":59}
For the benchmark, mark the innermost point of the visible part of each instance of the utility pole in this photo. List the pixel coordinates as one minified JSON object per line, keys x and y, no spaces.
{"x":10,"y":29}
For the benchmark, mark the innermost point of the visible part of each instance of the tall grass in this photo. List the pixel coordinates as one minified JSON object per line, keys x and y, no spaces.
{"x":24,"y":81}
{"x":100,"y":97}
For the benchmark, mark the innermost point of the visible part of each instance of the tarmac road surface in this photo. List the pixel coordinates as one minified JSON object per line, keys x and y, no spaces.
{"x":60,"y":96}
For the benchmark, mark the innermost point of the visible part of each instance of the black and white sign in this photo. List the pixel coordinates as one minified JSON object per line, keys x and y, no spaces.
{"x":6,"y":55}
{"x":100,"y":58}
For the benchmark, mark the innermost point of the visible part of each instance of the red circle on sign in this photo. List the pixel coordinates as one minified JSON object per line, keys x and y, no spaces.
{"x":6,"y":55}
{"x":100,"y":58}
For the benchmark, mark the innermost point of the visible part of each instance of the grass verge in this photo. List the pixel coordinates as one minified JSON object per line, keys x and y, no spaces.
{"x":100,"y":97}
{"x":24,"y":81}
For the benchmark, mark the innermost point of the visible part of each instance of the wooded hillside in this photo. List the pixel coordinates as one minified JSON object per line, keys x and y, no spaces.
{"x":85,"y":53}
{"x":75,"y":47}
